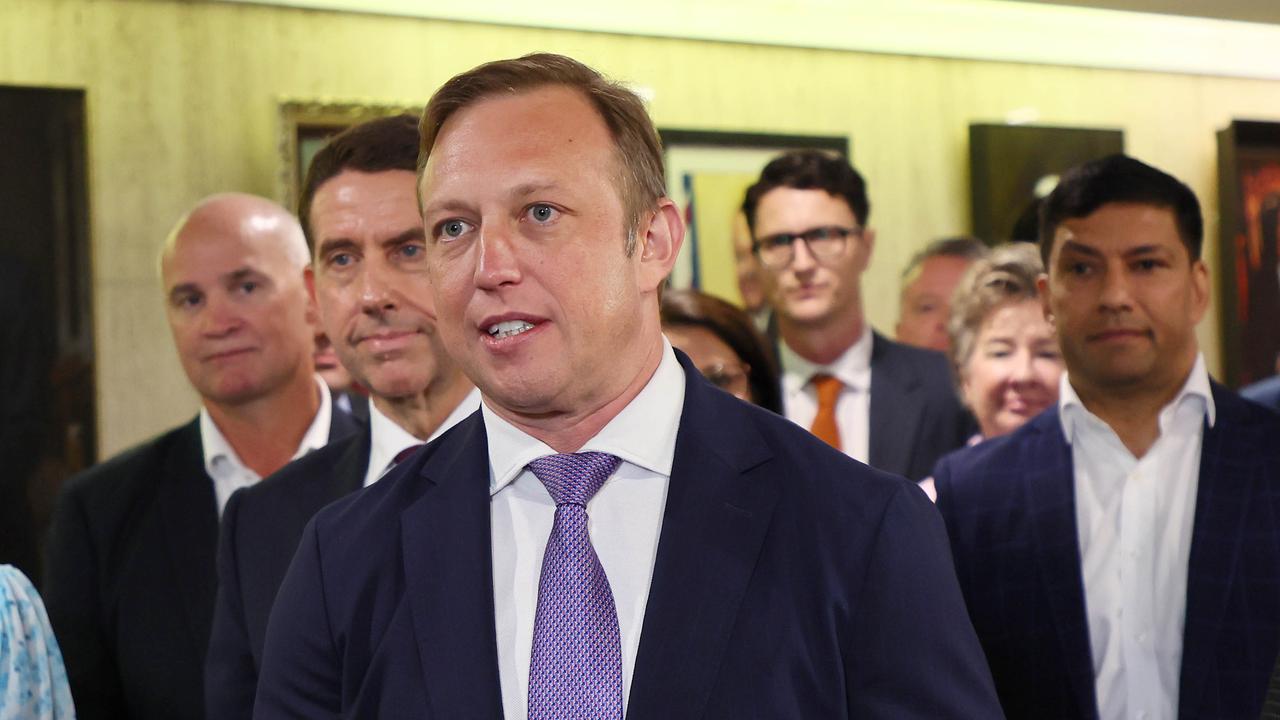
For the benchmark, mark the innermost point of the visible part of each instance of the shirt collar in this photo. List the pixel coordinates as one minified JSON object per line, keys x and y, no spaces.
{"x":1196,"y":397}
{"x":387,"y":439}
{"x":217,"y":450}
{"x":643,"y":433}
{"x":852,"y":368}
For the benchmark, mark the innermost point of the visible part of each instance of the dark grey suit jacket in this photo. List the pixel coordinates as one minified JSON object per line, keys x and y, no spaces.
{"x":916,"y":414}
{"x":129,"y":578}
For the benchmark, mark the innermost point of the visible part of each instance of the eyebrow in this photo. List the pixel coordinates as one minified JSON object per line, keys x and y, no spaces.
{"x":1145,"y":250}
{"x":519,"y":191}
{"x":328,"y":245}
{"x":1080,"y":248}
{"x":417,"y":232}
{"x":243,"y":273}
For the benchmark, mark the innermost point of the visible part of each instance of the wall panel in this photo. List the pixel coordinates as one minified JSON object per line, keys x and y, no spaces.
{"x":182,"y":102}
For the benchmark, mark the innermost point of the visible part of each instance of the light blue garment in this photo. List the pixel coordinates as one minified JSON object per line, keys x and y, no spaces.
{"x":33,"y":680}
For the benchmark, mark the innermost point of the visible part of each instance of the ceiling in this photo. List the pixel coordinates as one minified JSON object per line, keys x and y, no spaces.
{"x":1264,"y":11}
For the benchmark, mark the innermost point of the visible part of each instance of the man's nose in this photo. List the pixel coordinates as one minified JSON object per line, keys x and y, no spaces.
{"x":496,"y":261}
{"x":221,"y":316}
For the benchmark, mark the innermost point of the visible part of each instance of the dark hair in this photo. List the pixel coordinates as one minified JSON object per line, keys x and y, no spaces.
{"x":389,"y":143}
{"x":1120,"y":179}
{"x":735,"y":329}
{"x":965,"y":247}
{"x":641,"y":179}
{"x":810,"y":170}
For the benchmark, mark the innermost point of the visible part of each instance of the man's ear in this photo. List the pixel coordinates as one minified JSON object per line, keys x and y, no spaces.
{"x":659,"y":244}
{"x":868,"y":241}
{"x":313,"y":307}
{"x":1201,"y":286}
{"x":1042,"y":287}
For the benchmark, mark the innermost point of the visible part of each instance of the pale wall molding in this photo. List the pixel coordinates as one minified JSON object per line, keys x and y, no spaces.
{"x":995,"y":30}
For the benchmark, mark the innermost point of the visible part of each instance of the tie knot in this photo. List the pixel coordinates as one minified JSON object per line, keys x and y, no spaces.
{"x":405,"y":454}
{"x":828,"y":389}
{"x":572,"y":479}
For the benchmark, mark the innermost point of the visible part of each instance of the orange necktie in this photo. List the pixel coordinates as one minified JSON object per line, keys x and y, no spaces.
{"x":824,"y":423}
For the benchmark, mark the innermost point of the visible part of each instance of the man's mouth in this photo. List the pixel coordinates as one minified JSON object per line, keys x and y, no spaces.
{"x":509,"y":328}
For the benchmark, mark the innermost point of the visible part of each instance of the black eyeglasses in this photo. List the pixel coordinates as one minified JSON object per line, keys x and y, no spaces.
{"x":777,"y":251}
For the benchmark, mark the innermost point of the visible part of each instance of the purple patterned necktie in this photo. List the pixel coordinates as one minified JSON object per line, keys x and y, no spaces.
{"x":576,"y":669}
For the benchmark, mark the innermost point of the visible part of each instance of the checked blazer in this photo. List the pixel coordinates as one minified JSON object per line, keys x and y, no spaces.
{"x":1009,"y":507}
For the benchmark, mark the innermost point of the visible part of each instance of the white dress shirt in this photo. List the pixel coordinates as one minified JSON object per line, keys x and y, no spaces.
{"x":387,"y":439}
{"x":1134,"y":518}
{"x":853,"y":407}
{"x":224,"y":465}
{"x":625,"y":518}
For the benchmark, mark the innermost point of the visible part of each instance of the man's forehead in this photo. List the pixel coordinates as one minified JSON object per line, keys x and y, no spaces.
{"x":525,"y":126}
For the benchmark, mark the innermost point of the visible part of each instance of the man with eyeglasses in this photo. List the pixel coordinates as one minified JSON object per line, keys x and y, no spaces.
{"x":880,"y":402}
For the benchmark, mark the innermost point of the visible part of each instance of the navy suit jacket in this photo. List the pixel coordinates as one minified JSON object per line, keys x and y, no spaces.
{"x":1009,"y":506}
{"x":261,"y":526}
{"x":129,"y":578}
{"x":1266,"y":392}
{"x":790,"y":581}
{"x":916,"y":416}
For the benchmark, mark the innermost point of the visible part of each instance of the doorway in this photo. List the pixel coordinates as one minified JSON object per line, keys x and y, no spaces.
{"x":47,"y":398}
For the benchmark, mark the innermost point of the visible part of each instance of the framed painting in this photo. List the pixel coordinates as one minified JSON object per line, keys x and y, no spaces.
{"x":305,"y":126}
{"x":707,"y":175}
{"x":1249,"y":250}
{"x":1011,"y":167}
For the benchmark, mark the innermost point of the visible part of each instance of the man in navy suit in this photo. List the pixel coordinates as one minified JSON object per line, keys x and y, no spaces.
{"x":1120,"y":553}
{"x":359,"y":209}
{"x":889,"y":405}
{"x":610,"y":534}
{"x":129,"y":579}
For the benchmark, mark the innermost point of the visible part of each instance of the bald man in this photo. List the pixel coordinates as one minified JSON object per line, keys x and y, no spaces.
{"x":130,"y":574}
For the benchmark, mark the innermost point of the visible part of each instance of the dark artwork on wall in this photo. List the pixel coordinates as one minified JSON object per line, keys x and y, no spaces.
{"x":1249,"y":249}
{"x":1012,"y":166}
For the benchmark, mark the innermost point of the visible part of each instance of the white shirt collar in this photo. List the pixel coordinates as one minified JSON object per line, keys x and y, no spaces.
{"x":852,"y":368}
{"x":387,"y":439}
{"x":643,"y":433}
{"x":1196,"y":396}
{"x":218,"y":453}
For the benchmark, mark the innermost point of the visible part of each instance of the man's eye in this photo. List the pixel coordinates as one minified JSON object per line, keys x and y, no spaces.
{"x":1078,"y":268}
{"x":543,"y":213}
{"x":451,"y":229}
{"x":248,"y":286}
{"x":187,"y":301}
{"x":410,"y":251}
{"x":341,"y":259}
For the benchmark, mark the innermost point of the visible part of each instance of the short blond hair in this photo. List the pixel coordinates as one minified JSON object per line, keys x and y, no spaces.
{"x":1006,"y":275}
{"x":641,"y":178}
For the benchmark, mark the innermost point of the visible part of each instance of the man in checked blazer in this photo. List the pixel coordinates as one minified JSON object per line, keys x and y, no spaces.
{"x":1120,"y":553}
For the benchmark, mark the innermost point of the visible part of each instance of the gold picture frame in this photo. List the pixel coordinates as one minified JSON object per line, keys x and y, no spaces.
{"x":305,"y":125}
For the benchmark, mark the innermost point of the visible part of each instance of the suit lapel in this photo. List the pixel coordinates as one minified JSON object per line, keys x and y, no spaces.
{"x":189,"y":516}
{"x":1216,"y":537}
{"x":894,"y":418}
{"x":1050,"y":490}
{"x":351,"y":467}
{"x":714,"y":523}
{"x":449,"y":577}
{"x":342,"y":424}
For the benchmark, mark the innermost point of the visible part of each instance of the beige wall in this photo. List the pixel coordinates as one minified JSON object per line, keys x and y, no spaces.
{"x":182,"y":101}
